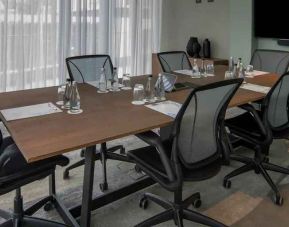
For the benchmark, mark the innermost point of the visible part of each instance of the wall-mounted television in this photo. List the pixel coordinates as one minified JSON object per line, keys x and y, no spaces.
{"x":271,"y":19}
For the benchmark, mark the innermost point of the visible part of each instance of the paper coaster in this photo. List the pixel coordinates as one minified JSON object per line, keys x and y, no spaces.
{"x":102,"y":92}
{"x":59,"y":103}
{"x":75,"y":112}
{"x":126,"y":88}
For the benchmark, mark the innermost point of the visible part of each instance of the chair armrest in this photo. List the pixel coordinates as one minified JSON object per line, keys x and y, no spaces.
{"x":154,"y":140}
{"x":256,"y":116}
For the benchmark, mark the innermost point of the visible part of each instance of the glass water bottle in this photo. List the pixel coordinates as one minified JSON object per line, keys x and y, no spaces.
{"x":160,"y":89}
{"x":196,"y":71}
{"x":74,"y":99}
{"x":102,"y":82}
{"x":114,"y":81}
{"x":231,"y":64}
{"x":66,"y":96}
{"x":149,"y":91}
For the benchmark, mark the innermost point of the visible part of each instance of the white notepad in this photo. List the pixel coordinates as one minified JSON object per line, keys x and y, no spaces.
{"x":255,"y":73}
{"x":168,"y":107}
{"x":187,"y":72}
{"x":255,"y":87}
{"x":30,"y":111}
{"x":190,"y":73}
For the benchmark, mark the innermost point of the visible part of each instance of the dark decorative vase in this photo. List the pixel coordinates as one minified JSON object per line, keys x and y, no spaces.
{"x":190,"y":46}
{"x":206,"y":48}
{"x":196,"y":50}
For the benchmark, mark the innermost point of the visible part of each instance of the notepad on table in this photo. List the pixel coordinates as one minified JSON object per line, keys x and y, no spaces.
{"x":30,"y":111}
{"x":190,"y":73}
{"x":255,"y":73}
{"x":256,"y":87}
{"x":168,"y":107}
{"x":187,"y":72}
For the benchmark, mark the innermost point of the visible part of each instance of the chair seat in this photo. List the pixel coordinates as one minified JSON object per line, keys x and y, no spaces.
{"x":149,"y":158}
{"x":15,"y":170}
{"x":236,"y":124}
{"x":5,"y":143}
{"x":34,"y":222}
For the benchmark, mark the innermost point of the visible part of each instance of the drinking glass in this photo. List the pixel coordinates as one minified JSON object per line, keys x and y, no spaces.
{"x":60,"y":94}
{"x":229,"y":75}
{"x":249,"y":68}
{"x":138,"y":95}
{"x":210,"y":69}
{"x":249,"y":71}
{"x":126,"y":82}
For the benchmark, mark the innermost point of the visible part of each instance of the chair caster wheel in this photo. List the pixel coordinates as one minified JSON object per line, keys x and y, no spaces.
{"x":278,"y":200}
{"x":122,"y":150}
{"x":65,"y":175}
{"x":103,"y":187}
{"x":143,"y":203}
{"x":197,"y":203}
{"x":227,"y":184}
{"x":48,"y":207}
{"x":137,"y":169}
{"x":82,"y":153}
{"x":257,"y":171}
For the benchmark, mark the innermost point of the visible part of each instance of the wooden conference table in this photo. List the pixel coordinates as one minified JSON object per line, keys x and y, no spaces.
{"x":105,"y":117}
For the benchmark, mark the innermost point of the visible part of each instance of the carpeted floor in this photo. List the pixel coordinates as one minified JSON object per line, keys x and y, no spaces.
{"x":243,"y":201}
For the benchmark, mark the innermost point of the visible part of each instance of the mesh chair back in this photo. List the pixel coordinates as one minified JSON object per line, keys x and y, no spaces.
{"x":276,"y":104}
{"x":200,"y":122}
{"x":274,"y":61}
{"x":1,"y":138}
{"x":176,"y":60}
{"x":88,"y":68}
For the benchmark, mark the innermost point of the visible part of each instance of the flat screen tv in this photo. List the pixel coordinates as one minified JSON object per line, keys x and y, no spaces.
{"x":271,"y":19}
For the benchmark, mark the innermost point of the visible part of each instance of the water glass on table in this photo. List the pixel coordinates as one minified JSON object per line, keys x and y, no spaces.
{"x":249,"y":71}
{"x":60,"y":94}
{"x":126,"y":82}
{"x":138,"y":95}
{"x":229,"y":75}
{"x":249,"y":68}
{"x":210,"y":69}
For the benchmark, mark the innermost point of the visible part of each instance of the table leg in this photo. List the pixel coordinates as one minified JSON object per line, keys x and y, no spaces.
{"x":87,"y":186}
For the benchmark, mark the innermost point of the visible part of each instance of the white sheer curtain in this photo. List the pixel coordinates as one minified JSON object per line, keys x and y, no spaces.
{"x":28,"y":44}
{"x":37,"y":35}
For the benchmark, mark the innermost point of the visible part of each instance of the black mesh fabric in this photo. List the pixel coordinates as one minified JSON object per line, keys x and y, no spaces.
{"x":277,"y":107}
{"x":172,"y":61}
{"x":1,"y":138}
{"x":271,"y":61}
{"x":199,"y":124}
{"x":88,"y":68}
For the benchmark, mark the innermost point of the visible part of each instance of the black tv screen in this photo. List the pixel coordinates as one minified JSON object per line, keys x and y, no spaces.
{"x":271,"y":19}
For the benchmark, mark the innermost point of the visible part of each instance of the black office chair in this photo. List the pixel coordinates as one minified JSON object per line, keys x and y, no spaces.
{"x":192,"y":153}
{"x":174,"y":60}
{"x":84,"y":69}
{"x":15,"y":172}
{"x":257,"y":129}
{"x":274,"y":61}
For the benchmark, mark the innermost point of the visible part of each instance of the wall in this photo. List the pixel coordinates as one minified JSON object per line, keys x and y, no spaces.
{"x":227,"y":23}
{"x":241,"y":41}
{"x":184,"y":18}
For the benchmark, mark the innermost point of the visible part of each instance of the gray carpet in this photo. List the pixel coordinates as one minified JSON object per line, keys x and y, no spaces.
{"x":126,"y":211}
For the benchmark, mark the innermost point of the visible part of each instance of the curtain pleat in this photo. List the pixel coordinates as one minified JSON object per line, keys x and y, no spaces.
{"x":37,"y":35}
